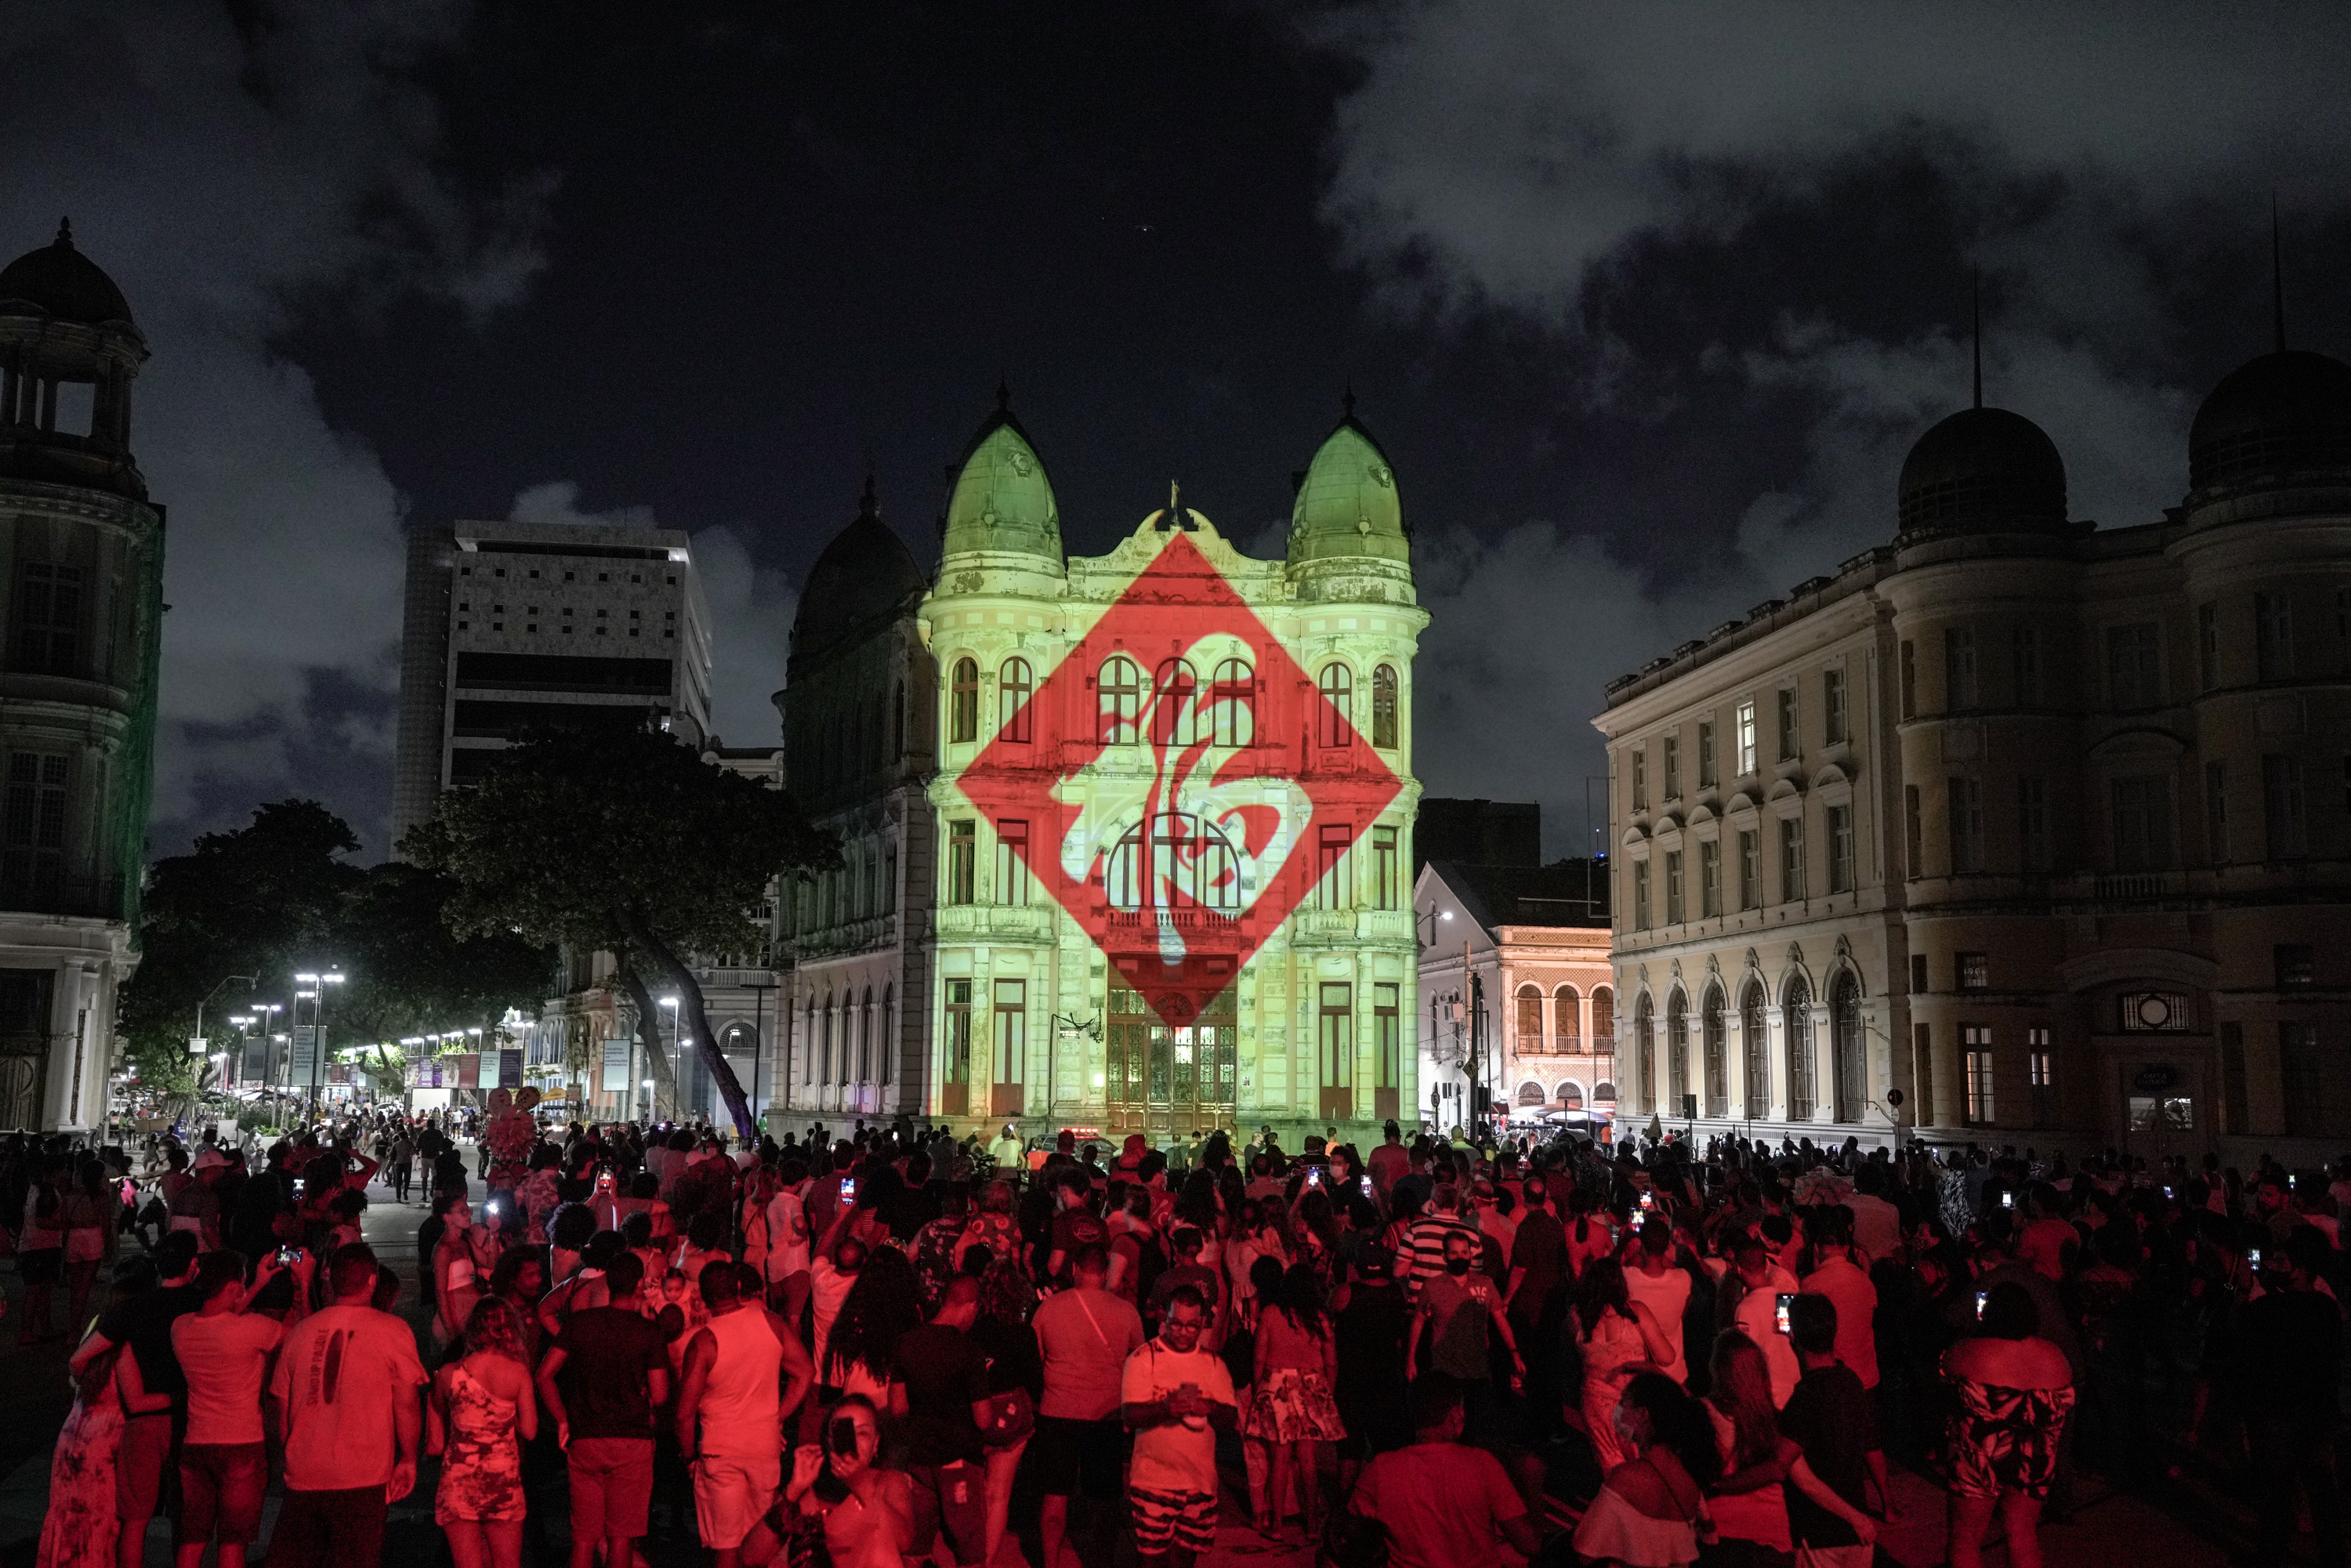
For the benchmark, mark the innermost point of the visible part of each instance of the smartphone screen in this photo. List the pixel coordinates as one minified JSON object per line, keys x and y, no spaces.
{"x":1982,"y":1297}
{"x":1366,"y":1184}
{"x":1787,"y":1301}
{"x":2253,"y":1257}
{"x":2007,"y":1200}
{"x":842,"y":1437}
{"x":289,"y":1255}
{"x":1313,"y":1177}
{"x":847,"y":1188}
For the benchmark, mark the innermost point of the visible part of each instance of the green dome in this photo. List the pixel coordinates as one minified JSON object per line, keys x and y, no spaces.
{"x":1002,"y":500}
{"x":1347,"y":503}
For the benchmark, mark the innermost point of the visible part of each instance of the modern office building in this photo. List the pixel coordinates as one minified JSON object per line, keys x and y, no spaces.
{"x":2016,"y":829}
{"x":81,"y":548}
{"x":511,"y":626}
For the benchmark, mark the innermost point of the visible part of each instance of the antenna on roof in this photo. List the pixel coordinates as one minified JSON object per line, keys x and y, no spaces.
{"x":2277,"y":279}
{"x":1976,"y":315}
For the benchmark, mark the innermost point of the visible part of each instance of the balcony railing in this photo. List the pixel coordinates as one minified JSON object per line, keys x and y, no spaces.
{"x":1009,"y":921}
{"x":2139,"y":884}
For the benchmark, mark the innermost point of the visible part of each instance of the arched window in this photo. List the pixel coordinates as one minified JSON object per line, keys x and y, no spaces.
{"x":1677,"y":1052}
{"x":1603,"y":1092}
{"x":1335,"y":717}
{"x":1566,"y":1022}
{"x":1013,"y":685}
{"x":1570,"y":1096}
{"x":889,"y":1011}
{"x":1603,"y":1020}
{"x":1851,"y":1082}
{"x":815,"y":1065}
{"x":865,"y":1038}
{"x":1120,"y":690}
{"x":1171,"y":860}
{"x":824,"y":1045}
{"x":1798,"y":1008}
{"x":1383,"y":708}
{"x":963,"y":701}
{"x":1531,"y":1029}
{"x":1645,"y":1055}
{"x":1530,"y":1092}
{"x":1755,"y":1050}
{"x":1713,"y":1032}
{"x":1232,"y":705}
{"x":1174,"y":697}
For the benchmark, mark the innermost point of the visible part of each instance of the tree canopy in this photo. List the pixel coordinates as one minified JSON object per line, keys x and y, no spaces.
{"x":277,"y":897}
{"x":621,"y":839}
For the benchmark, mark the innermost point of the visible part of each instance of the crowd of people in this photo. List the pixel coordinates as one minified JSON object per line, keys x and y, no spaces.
{"x":894,"y":1345}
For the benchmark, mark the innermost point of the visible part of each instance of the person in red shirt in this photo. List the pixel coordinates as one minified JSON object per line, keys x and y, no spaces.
{"x":1443,"y":1504}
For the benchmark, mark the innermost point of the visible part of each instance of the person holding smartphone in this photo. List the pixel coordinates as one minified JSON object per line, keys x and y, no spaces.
{"x":839,"y":1484}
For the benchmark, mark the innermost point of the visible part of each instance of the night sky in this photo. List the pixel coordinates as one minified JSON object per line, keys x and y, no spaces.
{"x":1645,"y":305}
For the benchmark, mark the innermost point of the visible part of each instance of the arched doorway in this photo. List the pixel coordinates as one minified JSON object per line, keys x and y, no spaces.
{"x":1677,"y":1055}
{"x":1718,"y":1068}
{"x":1798,"y":1008}
{"x":1850,"y":1058}
{"x":1755,"y":1048}
{"x":1645,"y":1055}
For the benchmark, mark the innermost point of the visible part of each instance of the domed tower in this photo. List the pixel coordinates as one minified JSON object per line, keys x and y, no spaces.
{"x":84,"y":558}
{"x":1001,"y":514}
{"x":1347,"y":535}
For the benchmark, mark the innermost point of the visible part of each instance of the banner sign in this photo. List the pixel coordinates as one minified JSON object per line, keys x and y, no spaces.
{"x":510,"y":1067}
{"x":306,"y":1055}
{"x":616,"y":1064}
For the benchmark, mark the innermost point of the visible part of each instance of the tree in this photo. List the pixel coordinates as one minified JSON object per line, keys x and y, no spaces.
{"x":409,"y":971}
{"x":626,"y":840}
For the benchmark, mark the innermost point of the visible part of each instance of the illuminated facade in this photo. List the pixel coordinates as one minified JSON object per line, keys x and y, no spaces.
{"x":1169,"y":821}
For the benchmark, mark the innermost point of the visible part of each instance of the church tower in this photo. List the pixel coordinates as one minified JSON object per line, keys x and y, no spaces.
{"x":81,"y":552}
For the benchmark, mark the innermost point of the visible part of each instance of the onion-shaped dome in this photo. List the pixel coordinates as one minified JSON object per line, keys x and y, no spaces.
{"x":1002,"y":499}
{"x":58,"y":281}
{"x":1347,"y":503}
{"x":1983,"y":470}
{"x":2282,"y":417}
{"x":863,"y":575}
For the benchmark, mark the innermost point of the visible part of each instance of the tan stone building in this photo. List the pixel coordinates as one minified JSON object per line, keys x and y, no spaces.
{"x":2044,"y":825}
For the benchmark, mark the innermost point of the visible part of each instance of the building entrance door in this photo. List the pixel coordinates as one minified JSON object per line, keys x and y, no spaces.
{"x":23,"y":1046}
{"x":2163,"y":1105}
{"x":1166,"y":1070}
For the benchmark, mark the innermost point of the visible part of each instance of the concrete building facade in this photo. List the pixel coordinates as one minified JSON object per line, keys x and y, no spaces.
{"x":2018,"y":828}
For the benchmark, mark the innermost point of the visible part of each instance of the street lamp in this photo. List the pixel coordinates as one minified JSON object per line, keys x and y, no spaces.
{"x":317,"y":997}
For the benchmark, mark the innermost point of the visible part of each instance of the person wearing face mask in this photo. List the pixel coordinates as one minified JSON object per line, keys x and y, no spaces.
{"x":1453,"y":1314}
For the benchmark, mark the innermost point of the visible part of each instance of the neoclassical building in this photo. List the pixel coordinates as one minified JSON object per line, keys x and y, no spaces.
{"x":1155,"y":879}
{"x":2017,"y":829}
{"x":81,"y":548}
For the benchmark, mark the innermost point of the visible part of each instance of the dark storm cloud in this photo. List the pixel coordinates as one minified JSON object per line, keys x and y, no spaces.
{"x":230,"y":177}
{"x":1718,"y":215}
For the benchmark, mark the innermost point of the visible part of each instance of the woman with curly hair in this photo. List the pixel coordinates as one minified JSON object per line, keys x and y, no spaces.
{"x":881,"y":1306}
{"x":482,"y":1410}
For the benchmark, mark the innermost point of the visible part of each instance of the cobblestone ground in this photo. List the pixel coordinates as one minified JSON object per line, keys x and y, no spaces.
{"x":2188,"y":1521}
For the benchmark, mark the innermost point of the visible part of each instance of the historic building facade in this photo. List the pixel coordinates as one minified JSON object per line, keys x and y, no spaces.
{"x":2017,"y":829}
{"x":1126,"y":835}
{"x":81,"y":548}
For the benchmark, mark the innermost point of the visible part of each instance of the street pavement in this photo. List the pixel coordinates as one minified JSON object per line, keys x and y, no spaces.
{"x":2108,"y":1530}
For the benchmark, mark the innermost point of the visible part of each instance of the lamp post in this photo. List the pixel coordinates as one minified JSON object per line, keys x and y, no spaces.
{"x":317,"y":997}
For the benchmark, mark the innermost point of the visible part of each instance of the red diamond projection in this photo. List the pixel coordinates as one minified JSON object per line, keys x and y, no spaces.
{"x":1186,"y":799}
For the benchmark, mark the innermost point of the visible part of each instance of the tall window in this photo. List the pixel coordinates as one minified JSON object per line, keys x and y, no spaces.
{"x":1383,"y":708}
{"x":2304,"y":1074}
{"x":2208,"y":646}
{"x":1677,"y":1053}
{"x":1839,"y":820}
{"x":2216,"y":811}
{"x":2041,"y":1076}
{"x":1640,"y":895}
{"x":2272,"y":636}
{"x":2131,"y":678}
{"x":1385,"y":883}
{"x":1336,"y":1047}
{"x":1972,"y":971}
{"x":2024,"y":661}
{"x":33,"y":825}
{"x":2142,"y":824}
{"x":2033,"y":823}
{"x":1791,"y":743}
{"x":2282,"y":805}
{"x":1746,"y":720}
{"x":1387,"y":1025}
{"x":1603,"y":1021}
{"x":1013,"y":686}
{"x":48,"y":619}
{"x":1232,"y":705}
{"x":1755,"y":1051}
{"x":1832,"y":712}
{"x":865,"y":1038}
{"x":1174,"y":704}
{"x":1751,"y":869}
{"x":1674,"y":913}
{"x":1566,"y":1020}
{"x":1798,"y":1012}
{"x":1714,"y":1045}
{"x":1791,"y":859}
{"x":1012,"y":862}
{"x":1170,"y":858}
{"x":1641,"y":777}
{"x":1913,"y":833}
{"x":1909,"y":662}
{"x":1120,"y":690}
{"x":1706,"y":773}
{"x":830,"y":1074}
{"x":1011,"y":1054}
{"x":1848,"y":1054}
{"x":1959,"y":669}
{"x":1922,"y":1046}
{"x":963,"y":862}
{"x":963,"y":701}
{"x":1673,"y":767}
{"x":1967,"y":826}
{"x":1531,"y":1022}
{"x":1334,"y":723}
{"x":1331,"y":888}
{"x":1975,"y":1042}
{"x":1710,"y":879}
{"x":958,"y":1041}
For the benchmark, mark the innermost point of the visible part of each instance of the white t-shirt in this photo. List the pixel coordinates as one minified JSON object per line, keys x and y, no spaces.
{"x":1759,"y":1318}
{"x":1855,"y":1300}
{"x":827,"y":1288}
{"x":788,"y":1240}
{"x":1665,"y":1296}
{"x":1180,"y":1457}
{"x":337,"y":1380}
{"x":223,"y":1354}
